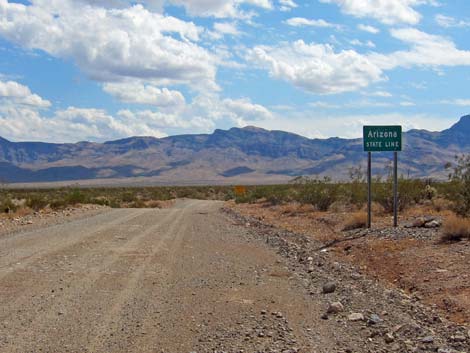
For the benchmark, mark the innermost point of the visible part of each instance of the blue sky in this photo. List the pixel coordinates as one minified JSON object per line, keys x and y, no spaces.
{"x":73,"y":70}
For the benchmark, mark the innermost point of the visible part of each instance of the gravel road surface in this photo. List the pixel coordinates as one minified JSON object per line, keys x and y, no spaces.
{"x":184,"y":279}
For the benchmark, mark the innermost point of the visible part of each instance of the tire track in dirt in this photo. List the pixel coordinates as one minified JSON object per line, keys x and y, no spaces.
{"x":80,"y":286}
{"x":43,"y":271}
{"x":166,"y":325}
{"x":42,"y":244}
{"x":198,"y":298}
{"x":138,"y":300}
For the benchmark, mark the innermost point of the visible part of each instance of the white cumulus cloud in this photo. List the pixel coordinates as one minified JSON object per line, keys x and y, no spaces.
{"x":359,"y":43}
{"x":317,"y":68}
{"x":112,"y":44}
{"x":449,"y":22}
{"x":245,"y":110}
{"x":222,"y":29}
{"x":287,"y":5}
{"x":368,"y":28}
{"x":303,"y":22}
{"x":220,"y":9}
{"x":426,"y":50}
{"x":24,"y":122}
{"x":462,"y":102}
{"x":70,"y":125}
{"x":389,"y":12}
{"x":15,"y":93}
{"x":139,"y":93}
{"x":200,"y":8}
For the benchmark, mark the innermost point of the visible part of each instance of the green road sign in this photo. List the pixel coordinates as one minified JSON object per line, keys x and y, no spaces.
{"x":382,"y":138}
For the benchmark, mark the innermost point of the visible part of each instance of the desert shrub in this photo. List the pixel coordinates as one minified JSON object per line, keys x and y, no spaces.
{"x":37,"y":201}
{"x":321,"y":194}
{"x":128,"y":196}
{"x":245,"y":199}
{"x":455,"y":228}
{"x":410,"y":192}
{"x":250,"y":197}
{"x":138,"y":204}
{"x":114,"y":203}
{"x":195,"y":192}
{"x":357,"y":187}
{"x":355,"y":221}
{"x":58,"y":204}
{"x":277,"y":196}
{"x":460,"y":176}
{"x":273,"y":194}
{"x":7,"y":205}
{"x":229,"y":195}
{"x":162,"y":194}
{"x":448,"y":190}
{"x":440,"y":204}
{"x":382,"y":193}
{"x":358,"y":193}
{"x":101,"y":200}
{"x":75,"y":197}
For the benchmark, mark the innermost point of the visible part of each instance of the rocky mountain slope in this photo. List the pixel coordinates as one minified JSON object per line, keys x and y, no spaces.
{"x":226,"y":156}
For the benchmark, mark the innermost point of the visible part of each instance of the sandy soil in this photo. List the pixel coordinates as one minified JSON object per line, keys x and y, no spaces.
{"x":414,"y":261}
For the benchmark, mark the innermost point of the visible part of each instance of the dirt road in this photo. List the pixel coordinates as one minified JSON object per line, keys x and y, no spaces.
{"x":184,"y":279}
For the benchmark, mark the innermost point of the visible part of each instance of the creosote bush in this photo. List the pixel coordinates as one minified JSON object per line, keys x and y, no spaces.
{"x":117,"y":197}
{"x":37,"y":202}
{"x":75,"y":197}
{"x":460,"y":178}
{"x":321,"y":194}
{"x":325,"y":194}
{"x":7,"y":205}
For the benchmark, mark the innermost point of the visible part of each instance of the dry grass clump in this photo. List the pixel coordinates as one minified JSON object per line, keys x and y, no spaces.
{"x":295,"y":209}
{"x":377,"y":209}
{"x":22,"y":212}
{"x":441,"y":204}
{"x":159,"y":203}
{"x":291,"y":209}
{"x":355,"y":221}
{"x":341,"y":206}
{"x":455,"y":228}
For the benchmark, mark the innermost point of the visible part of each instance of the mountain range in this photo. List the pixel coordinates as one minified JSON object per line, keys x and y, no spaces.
{"x":237,"y":155}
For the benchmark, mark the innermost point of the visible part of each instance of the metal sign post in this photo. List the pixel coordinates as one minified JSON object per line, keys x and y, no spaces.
{"x":369,"y":189}
{"x":381,"y":139}
{"x":395,"y":189}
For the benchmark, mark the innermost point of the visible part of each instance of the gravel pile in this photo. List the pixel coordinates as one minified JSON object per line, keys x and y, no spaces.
{"x":261,"y":332}
{"x":398,"y":233}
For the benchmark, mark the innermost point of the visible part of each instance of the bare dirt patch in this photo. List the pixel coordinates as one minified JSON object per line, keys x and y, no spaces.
{"x":413,"y":260}
{"x":436,"y":273}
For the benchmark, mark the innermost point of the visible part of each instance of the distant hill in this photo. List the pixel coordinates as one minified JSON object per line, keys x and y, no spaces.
{"x":238,"y":155}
